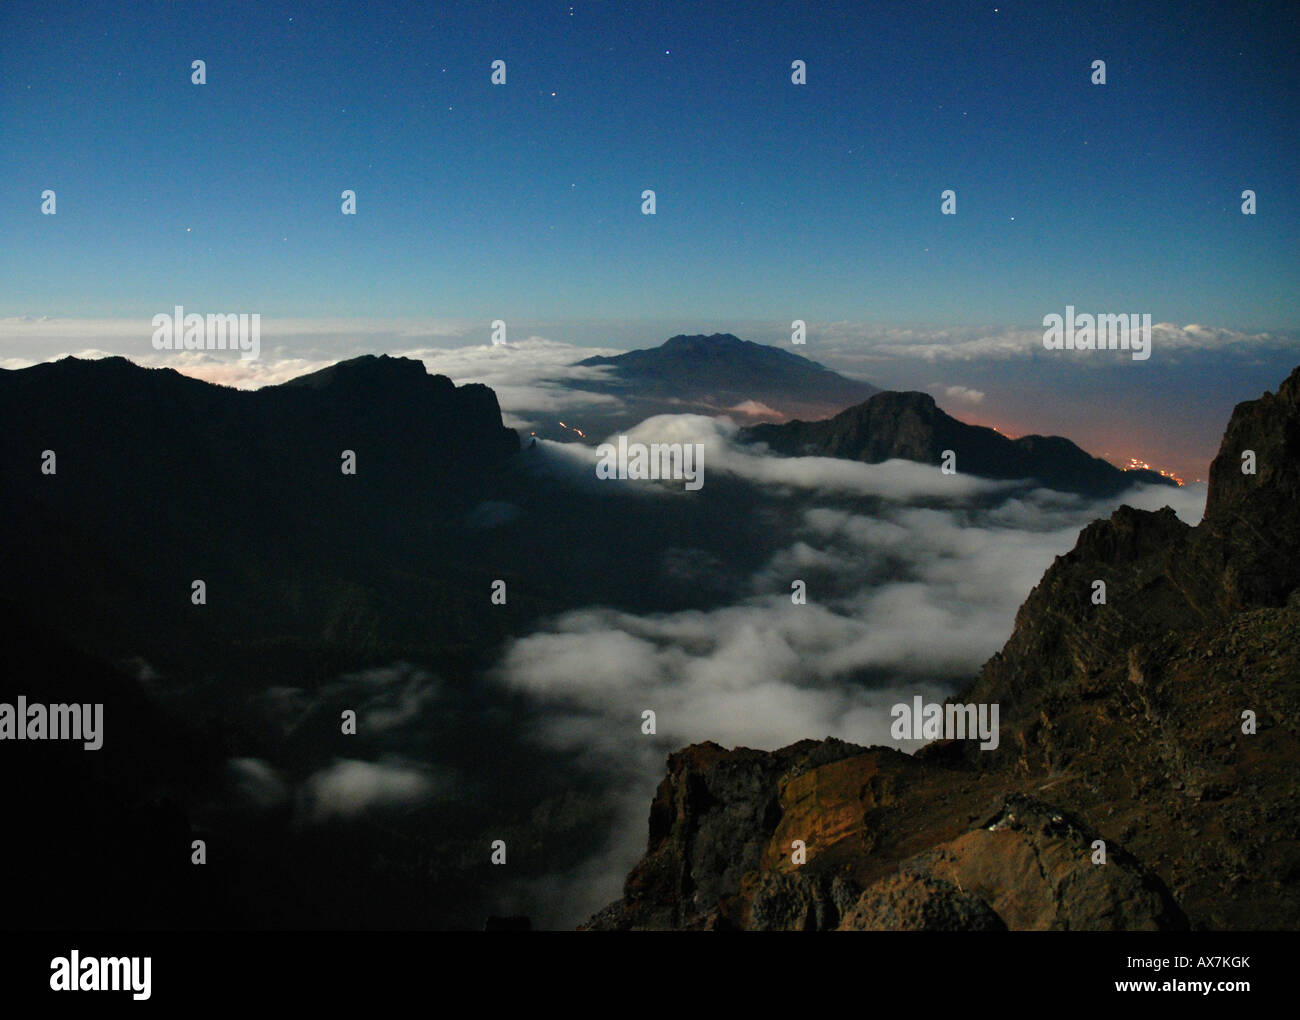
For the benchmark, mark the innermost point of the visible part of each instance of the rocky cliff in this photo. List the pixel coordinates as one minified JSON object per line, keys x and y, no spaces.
{"x":1160,"y":724}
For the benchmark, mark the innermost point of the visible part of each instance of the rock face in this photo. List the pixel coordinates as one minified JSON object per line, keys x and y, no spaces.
{"x":1166,"y":719}
{"x":711,"y":821}
{"x":911,"y":426}
{"x":920,"y":902}
{"x":1029,"y":867}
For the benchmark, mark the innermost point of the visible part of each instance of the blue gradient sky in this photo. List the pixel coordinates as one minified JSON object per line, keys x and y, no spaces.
{"x":774,"y":201}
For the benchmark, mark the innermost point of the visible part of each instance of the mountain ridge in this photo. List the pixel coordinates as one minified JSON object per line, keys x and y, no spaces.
{"x":910,"y":425}
{"x":159,"y":478}
{"x":721,"y":372}
{"x":1164,"y":718}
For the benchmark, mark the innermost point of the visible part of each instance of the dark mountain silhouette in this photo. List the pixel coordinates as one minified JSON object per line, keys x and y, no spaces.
{"x":311,"y":574}
{"x":911,"y":426}
{"x":1161,"y":722}
{"x":313,"y":577}
{"x":162,"y":479}
{"x":719,"y":374}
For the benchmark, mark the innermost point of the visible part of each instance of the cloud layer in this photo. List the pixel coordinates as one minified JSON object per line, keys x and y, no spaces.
{"x":904,"y":597}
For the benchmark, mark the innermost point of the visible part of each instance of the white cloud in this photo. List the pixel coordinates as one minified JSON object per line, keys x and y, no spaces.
{"x":527,"y":376}
{"x":909,"y":600}
{"x":858,"y":345}
{"x":756,"y":409}
{"x":349,"y":787}
{"x":1188,"y":501}
{"x":256,"y":783}
{"x":961,"y":394}
{"x":893,"y":479}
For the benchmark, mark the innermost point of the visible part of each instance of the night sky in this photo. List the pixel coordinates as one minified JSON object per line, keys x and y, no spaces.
{"x":818,"y":201}
{"x":775,"y":201}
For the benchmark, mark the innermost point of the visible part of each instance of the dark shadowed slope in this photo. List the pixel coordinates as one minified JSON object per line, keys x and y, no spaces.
{"x":161,"y":479}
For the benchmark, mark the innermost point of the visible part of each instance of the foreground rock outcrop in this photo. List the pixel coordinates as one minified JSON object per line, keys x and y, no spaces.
{"x":1146,"y":776}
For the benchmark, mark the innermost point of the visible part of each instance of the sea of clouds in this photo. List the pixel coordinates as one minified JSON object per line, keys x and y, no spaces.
{"x":914,"y":579}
